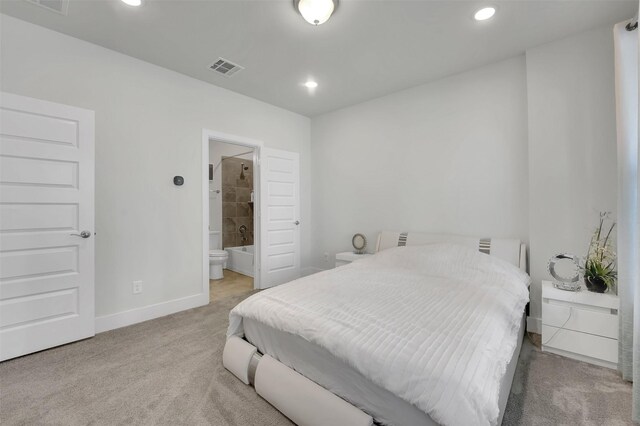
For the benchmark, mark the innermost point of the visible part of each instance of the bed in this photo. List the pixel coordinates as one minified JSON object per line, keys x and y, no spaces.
{"x":405,"y":337}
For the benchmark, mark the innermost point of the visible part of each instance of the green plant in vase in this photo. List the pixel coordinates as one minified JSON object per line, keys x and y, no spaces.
{"x":599,"y":267}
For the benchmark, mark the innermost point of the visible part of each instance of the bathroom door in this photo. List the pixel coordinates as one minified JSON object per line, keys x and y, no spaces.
{"x":46,"y":225}
{"x":280,"y":221}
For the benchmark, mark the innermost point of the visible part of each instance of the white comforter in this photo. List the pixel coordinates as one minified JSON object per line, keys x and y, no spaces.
{"x":436,"y":325}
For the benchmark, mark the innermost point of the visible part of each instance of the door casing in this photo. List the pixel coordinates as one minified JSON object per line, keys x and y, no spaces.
{"x":256,"y":145}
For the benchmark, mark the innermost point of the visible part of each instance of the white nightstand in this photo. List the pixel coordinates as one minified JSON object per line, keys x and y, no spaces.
{"x":348,"y":257}
{"x":582,"y":325}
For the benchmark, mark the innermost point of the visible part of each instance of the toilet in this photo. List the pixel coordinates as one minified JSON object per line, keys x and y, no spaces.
{"x":217,"y":257}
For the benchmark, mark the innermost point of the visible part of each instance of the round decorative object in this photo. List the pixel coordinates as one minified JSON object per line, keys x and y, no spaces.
{"x":359,"y":243}
{"x":565,"y":270}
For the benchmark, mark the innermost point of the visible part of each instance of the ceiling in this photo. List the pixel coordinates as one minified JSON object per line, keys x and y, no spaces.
{"x":367,"y":49}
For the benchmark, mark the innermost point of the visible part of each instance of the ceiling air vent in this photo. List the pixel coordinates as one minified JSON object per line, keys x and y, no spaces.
{"x":225,"y":67}
{"x":58,"y":6}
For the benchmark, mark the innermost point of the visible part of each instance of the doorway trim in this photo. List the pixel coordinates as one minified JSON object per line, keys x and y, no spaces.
{"x":214,"y":136}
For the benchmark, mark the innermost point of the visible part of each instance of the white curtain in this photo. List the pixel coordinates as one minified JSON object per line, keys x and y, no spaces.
{"x":627,"y":76}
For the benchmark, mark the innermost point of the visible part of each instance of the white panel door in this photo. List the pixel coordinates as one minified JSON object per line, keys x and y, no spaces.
{"x":280,"y":210}
{"x":46,"y":225}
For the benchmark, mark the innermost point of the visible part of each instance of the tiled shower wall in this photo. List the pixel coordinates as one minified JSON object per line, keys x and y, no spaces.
{"x":236,"y":195}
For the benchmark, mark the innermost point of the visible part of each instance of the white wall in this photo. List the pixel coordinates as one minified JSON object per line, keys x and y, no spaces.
{"x":450,"y":156}
{"x":572,"y":145}
{"x":504,"y":150}
{"x":149,"y":123}
{"x":217,"y":150}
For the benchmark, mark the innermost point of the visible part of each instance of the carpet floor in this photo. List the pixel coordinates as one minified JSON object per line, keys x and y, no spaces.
{"x":169,"y":371}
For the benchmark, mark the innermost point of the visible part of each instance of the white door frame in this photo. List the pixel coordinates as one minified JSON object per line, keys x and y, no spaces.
{"x":213,"y":136}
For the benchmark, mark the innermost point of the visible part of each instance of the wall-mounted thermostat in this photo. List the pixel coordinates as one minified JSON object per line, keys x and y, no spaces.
{"x":178,"y":180}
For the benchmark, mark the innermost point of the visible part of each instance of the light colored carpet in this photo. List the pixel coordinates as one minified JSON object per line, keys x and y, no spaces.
{"x":553,"y":390}
{"x":165,"y":371}
{"x":169,"y":371}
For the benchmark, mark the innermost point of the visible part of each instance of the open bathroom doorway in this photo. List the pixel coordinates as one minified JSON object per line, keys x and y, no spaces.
{"x":232,"y":182}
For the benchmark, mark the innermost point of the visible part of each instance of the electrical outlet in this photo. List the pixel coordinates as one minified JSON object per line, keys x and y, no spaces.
{"x":137,"y":287}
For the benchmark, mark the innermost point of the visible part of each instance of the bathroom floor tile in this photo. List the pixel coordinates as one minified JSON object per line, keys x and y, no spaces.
{"x":232,"y":284}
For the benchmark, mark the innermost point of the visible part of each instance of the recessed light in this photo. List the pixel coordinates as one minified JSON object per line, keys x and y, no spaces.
{"x":484,"y":13}
{"x":311,"y":84}
{"x":132,"y":2}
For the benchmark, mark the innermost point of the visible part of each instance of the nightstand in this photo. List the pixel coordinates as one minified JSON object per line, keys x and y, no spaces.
{"x":582,"y":325}
{"x":348,"y":257}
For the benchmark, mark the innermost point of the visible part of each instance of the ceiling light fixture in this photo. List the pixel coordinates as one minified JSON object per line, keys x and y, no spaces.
{"x":316,"y":12}
{"x":484,"y":13}
{"x":132,"y":2}
{"x":311,"y":84}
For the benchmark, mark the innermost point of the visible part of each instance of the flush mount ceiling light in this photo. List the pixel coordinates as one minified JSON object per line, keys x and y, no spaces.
{"x":132,"y":2}
{"x":310,"y":84}
{"x":484,"y":13}
{"x":316,"y":12}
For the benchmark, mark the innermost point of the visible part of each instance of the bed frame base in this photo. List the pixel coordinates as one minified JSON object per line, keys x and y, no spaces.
{"x":300,"y":399}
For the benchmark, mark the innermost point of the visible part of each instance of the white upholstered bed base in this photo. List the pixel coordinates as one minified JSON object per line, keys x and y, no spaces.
{"x":306,"y":403}
{"x":303,"y":400}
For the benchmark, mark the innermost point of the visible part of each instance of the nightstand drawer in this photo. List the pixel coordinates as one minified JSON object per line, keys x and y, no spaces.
{"x":580,"y":343}
{"x":586,"y":319}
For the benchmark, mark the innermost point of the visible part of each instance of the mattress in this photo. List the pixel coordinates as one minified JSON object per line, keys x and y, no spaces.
{"x":323,"y":368}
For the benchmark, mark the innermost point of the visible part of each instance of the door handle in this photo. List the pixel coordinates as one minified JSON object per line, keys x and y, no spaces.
{"x":297,"y":222}
{"x":83,"y":234}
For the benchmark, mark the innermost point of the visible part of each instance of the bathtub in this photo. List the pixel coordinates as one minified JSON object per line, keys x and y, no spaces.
{"x":241,"y":259}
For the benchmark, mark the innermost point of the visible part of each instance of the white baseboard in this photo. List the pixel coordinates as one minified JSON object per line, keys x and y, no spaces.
{"x":534,"y":325}
{"x":145,"y":313}
{"x":309,"y":271}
